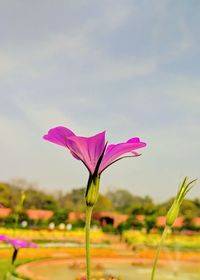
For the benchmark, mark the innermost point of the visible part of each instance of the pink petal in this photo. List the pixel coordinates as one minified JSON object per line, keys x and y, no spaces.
{"x":58,"y":135}
{"x":3,"y":238}
{"x":18,"y":243}
{"x":114,"y":151}
{"x":88,"y":149}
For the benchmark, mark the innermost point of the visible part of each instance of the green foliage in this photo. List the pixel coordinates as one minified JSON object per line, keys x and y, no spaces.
{"x":78,"y":224}
{"x":40,"y":200}
{"x":9,"y":196}
{"x":143,"y":206}
{"x":125,"y":202}
{"x":189,"y":207}
{"x":124,"y":226}
{"x":150,"y":222}
{"x":135,"y":223}
{"x":74,"y":200}
{"x":122,"y":200}
{"x":103,"y":204}
{"x":61,"y":204}
{"x":60,"y":216}
{"x":108,"y":228}
{"x":11,"y":219}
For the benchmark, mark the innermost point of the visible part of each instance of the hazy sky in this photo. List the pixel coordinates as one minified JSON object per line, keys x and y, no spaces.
{"x":128,"y":67}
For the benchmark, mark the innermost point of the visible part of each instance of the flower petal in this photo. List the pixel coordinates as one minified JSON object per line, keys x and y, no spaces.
{"x":3,"y":238}
{"x":116,"y":150}
{"x":58,"y":135}
{"x":88,"y":149}
{"x":18,"y":243}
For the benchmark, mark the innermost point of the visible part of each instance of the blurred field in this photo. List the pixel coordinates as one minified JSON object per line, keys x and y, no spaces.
{"x":117,"y":254}
{"x":59,"y":268}
{"x":174,"y":241}
{"x":44,"y":234}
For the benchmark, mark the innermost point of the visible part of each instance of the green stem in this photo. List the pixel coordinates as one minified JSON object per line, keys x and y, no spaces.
{"x":87,"y":238}
{"x":164,"y":234}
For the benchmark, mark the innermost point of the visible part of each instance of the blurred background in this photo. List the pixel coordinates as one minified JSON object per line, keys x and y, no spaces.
{"x":128,"y":67}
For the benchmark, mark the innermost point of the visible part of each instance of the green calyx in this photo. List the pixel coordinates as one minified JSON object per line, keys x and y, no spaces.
{"x":172,"y":214}
{"x":174,"y":210}
{"x":92,"y":191}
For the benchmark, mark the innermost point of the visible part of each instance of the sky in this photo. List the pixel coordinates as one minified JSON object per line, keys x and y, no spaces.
{"x":128,"y":67}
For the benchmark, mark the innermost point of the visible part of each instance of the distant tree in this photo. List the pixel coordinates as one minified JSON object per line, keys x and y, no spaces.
{"x":150,"y":222}
{"x":188,"y":218}
{"x":60,"y":216}
{"x":122,"y":200}
{"x":163,"y":208}
{"x":74,"y":200}
{"x":144,"y":206}
{"x":189,"y":208}
{"x":9,"y":196}
{"x":103,"y":204}
{"x":135,"y":223}
{"x":40,"y":200}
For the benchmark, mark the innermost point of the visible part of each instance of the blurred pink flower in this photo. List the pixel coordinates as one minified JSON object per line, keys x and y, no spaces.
{"x":93,"y":151}
{"x":18,"y":243}
{"x":3,"y":238}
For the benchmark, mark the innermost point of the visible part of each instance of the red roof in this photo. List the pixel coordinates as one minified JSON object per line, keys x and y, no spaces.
{"x":140,"y":218}
{"x":75,"y":216}
{"x":161,"y":220}
{"x":38,"y":214}
{"x":117,"y":218}
{"x":5,"y":212}
{"x":196,"y":221}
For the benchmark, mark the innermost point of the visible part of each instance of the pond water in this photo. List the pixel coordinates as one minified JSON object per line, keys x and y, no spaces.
{"x":60,"y":270}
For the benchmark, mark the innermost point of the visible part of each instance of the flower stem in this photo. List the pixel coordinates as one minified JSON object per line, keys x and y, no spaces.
{"x":164,"y":234}
{"x":87,"y":238}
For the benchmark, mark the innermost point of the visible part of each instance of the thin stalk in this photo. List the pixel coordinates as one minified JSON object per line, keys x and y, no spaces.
{"x":164,"y":234}
{"x":87,"y":238}
{"x":16,"y":223}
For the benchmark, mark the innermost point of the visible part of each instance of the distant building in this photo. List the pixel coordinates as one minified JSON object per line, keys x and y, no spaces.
{"x":196,"y":222}
{"x":75,"y":216}
{"x":112,"y":218}
{"x":140,"y":218}
{"x":161,"y":221}
{"x":5,"y":212}
{"x":39,"y":214}
{"x":104,"y":218}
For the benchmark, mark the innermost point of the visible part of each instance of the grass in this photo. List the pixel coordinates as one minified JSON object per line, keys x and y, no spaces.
{"x":4,"y":266}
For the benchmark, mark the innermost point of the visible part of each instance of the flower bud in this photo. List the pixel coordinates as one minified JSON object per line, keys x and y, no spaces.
{"x":174,"y":210}
{"x":92,"y":191}
{"x":172,"y":214}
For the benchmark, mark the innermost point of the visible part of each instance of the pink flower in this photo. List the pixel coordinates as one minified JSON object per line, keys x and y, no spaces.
{"x":93,"y":151}
{"x":18,"y":243}
{"x":3,"y":238}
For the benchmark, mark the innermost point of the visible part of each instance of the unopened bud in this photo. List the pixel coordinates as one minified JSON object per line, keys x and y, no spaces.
{"x":172,"y":214}
{"x":92,"y":191}
{"x":174,"y":210}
